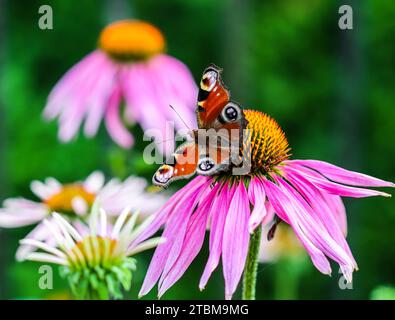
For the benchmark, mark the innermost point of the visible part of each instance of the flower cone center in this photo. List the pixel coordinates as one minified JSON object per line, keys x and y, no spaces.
{"x":62,"y":201}
{"x":131,"y":40}
{"x":269,"y":146}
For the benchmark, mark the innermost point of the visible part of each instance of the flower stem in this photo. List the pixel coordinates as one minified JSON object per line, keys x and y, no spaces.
{"x":251,"y":267}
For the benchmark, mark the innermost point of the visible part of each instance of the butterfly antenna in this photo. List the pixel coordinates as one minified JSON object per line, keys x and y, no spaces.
{"x":163,"y":141}
{"x":179,"y":116}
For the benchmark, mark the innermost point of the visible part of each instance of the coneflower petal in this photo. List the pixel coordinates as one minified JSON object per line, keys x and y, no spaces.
{"x":113,"y":121}
{"x":218,"y":218}
{"x":257,"y":196}
{"x":176,"y":227}
{"x":287,"y":211}
{"x":335,"y":188}
{"x":323,"y":212}
{"x":316,"y":230}
{"x":191,"y":245}
{"x":341,"y":175}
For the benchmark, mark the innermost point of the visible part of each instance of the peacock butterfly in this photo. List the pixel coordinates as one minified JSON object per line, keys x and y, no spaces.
{"x":216,"y":144}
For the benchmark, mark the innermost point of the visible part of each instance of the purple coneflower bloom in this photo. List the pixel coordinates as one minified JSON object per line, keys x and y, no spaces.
{"x":129,"y":66}
{"x":75,"y":200}
{"x":306,"y":194}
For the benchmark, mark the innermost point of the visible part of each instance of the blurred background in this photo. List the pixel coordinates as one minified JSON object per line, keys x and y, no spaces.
{"x":331,"y":90}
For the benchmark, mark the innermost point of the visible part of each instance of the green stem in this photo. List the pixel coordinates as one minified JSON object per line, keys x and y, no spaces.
{"x":251,"y":267}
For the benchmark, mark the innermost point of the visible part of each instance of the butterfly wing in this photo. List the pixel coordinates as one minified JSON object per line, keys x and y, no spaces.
{"x":190,"y":158}
{"x":183,"y":166}
{"x":214,"y":108}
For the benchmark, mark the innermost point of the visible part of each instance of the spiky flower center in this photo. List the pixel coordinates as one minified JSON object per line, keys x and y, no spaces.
{"x":128,"y":40}
{"x":269,"y":146}
{"x":63,"y":200}
{"x":98,"y":269}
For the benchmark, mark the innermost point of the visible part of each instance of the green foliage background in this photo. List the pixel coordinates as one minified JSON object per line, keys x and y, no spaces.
{"x":332,"y":91}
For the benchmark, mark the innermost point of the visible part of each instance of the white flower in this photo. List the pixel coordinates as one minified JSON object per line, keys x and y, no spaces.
{"x":75,"y":200}
{"x":95,"y":256}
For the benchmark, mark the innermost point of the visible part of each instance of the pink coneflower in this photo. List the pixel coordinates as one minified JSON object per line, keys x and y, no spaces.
{"x":303,"y":193}
{"x":129,"y":66}
{"x":75,"y":200}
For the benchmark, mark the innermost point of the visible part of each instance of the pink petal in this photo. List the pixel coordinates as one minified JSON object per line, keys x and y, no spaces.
{"x":334,"y":188}
{"x":191,"y":245}
{"x":336,"y":205}
{"x":98,"y":101}
{"x":144,"y":103}
{"x":76,"y":104}
{"x":218,"y":217}
{"x":257,"y":197}
{"x":324,"y":213}
{"x":326,"y":236}
{"x":235,"y":239}
{"x":341,"y":175}
{"x":114,"y":125}
{"x":70,"y":82}
{"x":167,"y":210}
{"x":182,"y":204}
{"x":286,"y":210}
{"x":170,"y":94}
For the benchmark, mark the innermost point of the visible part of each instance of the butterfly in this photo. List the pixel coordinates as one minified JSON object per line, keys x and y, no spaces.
{"x":217,"y":142}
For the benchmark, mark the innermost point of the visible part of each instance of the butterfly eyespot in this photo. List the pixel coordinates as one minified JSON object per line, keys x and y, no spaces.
{"x":231,"y":112}
{"x":206,"y":165}
{"x":208,"y":80}
{"x":163,"y":175}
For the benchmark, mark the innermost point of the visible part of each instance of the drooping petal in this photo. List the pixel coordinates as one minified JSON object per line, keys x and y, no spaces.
{"x":21,"y":212}
{"x":286,"y":210}
{"x":335,"y":188}
{"x":337,"y":207}
{"x":326,"y":237}
{"x":75,"y":105}
{"x":327,"y":217}
{"x":145,"y":106}
{"x":175,"y":95}
{"x":191,"y":244}
{"x":163,"y":214}
{"x":235,"y":239}
{"x":114,"y":125}
{"x":39,"y":233}
{"x":257,"y":197}
{"x":182,"y":205}
{"x":70,"y":82}
{"x":97,"y":103}
{"x":218,"y":218}
{"x":341,"y":175}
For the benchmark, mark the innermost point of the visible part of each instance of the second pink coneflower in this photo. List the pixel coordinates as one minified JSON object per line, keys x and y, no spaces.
{"x":129,"y":66}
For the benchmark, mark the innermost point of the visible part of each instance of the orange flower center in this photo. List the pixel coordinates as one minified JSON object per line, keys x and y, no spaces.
{"x":62,"y":201}
{"x":269,"y":146}
{"x":131,"y":40}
